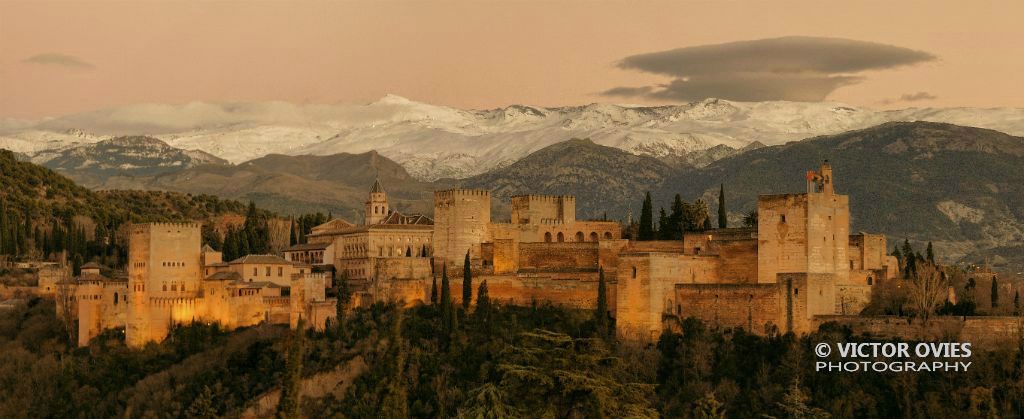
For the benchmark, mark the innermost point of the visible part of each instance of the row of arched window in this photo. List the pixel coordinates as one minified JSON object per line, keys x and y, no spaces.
{"x":580,"y":236}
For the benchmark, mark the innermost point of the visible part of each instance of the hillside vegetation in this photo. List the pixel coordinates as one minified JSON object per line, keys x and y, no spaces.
{"x":501,"y":362}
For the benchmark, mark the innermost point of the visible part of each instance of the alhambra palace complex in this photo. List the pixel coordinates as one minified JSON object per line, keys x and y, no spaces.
{"x":798,"y":263}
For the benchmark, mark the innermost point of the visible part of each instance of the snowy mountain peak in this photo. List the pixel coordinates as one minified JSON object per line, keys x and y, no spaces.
{"x":434,"y":141}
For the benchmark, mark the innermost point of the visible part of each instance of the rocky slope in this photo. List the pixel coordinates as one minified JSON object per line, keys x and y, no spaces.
{"x":300,"y":184}
{"x":603,"y":179}
{"x":92,"y":164}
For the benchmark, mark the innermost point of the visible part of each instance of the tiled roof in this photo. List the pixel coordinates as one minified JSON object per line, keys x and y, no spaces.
{"x":308,"y":246}
{"x":376,"y":188}
{"x":91,"y":265}
{"x":397,"y":218}
{"x":224,"y":276}
{"x":261,"y":259}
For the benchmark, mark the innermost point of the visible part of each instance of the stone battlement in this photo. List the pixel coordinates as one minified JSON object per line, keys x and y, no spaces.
{"x":454,"y":193}
{"x":548,"y":198}
{"x":170,"y":224}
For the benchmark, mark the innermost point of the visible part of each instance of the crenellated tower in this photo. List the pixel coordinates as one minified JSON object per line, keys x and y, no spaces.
{"x":461,"y":219}
{"x":164,"y":274}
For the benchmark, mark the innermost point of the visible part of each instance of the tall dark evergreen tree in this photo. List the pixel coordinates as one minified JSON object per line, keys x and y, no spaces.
{"x":723,"y":218}
{"x":676,"y":218}
{"x":293,"y":237}
{"x":483,"y":301}
{"x":664,"y":229}
{"x":395,"y":403}
{"x":344,"y":295}
{"x":288,"y":406}
{"x":930,"y":254}
{"x":601,"y":312}
{"x":433,"y":291}
{"x":467,"y":283}
{"x":1016,"y":303}
{"x":446,"y":302}
{"x":995,"y":292}
{"x":646,"y":230}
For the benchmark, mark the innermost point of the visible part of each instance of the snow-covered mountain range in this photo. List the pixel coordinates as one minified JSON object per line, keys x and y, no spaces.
{"x":434,"y":142}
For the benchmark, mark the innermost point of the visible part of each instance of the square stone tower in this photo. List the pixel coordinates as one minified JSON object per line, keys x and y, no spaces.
{"x":806,"y":234}
{"x":461,"y":221}
{"x":543,"y":209}
{"x":164,"y":274}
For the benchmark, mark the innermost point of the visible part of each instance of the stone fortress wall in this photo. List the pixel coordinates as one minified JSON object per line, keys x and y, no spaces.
{"x":797,"y":264}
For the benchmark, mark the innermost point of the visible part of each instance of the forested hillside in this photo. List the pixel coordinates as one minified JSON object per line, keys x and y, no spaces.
{"x":43,"y":213}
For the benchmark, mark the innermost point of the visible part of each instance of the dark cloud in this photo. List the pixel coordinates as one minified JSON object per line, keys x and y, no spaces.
{"x":910,"y":97}
{"x":791,"y":68}
{"x":61,"y":60}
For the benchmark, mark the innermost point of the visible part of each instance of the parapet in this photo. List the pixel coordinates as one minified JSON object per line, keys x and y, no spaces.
{"x":182,"y":225}
{"x":552,"y":198}
{"x":459,"y":192}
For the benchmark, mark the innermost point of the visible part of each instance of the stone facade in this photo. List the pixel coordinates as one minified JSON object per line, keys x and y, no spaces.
{"x":799,"y":263}
{"x":172,"y":280}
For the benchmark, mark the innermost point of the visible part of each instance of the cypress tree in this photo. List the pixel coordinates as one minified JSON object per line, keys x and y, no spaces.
{"x":723,"y":219}
{"x":395,"y":401}
{"x":293,"y":238}
{"x":344,"y":296}
{"x":930,"y":254}
{"x":446,"y":301}
{"x":288,"y":406}
{"x":1016,"y":303}
{"x":664,"y":230}
{"x":433,"y":291}
{"x":646,"y":231}
{"x":483,"y":301}
{"x":601,"y":313}
{"x":467,"y":283}
{"x":995,"y":292}
{"x":676,"y":217}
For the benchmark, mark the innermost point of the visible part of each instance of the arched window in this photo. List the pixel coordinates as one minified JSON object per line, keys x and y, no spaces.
{"x":579,"y":236}
{"x":869,"y":280}
{"x":547,"y":237}
{"x":634,"y":272}
{"x":608,"y":235}
{"x":593,"y":236}
{"x":561,"y":237}
{"x":115,"y":298}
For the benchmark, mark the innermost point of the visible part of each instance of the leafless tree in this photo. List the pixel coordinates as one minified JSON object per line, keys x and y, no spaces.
{"x":929,"y":288}
{"x":65,"y":300}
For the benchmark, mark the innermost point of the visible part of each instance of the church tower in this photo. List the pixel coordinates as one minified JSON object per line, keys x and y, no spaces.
{"x":377,"y":205}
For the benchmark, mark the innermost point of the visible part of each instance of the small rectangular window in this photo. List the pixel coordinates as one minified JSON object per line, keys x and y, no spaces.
{"x":268,"y":271}
{"x":280,"y":271}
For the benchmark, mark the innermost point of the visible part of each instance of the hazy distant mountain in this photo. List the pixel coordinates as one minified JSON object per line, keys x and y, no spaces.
{"x":603,"y":179}
{"x":434,"y":142}
{"x":92,"y":164}
{"x":301,"y":184}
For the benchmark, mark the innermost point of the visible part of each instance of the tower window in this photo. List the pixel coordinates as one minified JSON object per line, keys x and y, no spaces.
{"x":782,"y":218}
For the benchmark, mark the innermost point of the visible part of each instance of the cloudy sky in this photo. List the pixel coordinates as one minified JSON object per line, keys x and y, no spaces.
{"x":65,"y":57}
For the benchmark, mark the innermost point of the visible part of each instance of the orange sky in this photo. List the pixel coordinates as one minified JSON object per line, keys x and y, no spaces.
{"x":476,"y":54}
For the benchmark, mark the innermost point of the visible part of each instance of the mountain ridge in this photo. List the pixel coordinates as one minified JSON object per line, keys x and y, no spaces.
{"x":435,"y":142}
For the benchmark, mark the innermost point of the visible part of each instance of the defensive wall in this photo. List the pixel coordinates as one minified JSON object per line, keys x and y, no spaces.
{"x":983,"y":332}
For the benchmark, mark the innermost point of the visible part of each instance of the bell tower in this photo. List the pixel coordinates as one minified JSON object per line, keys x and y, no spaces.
{"x":377,"y":204}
